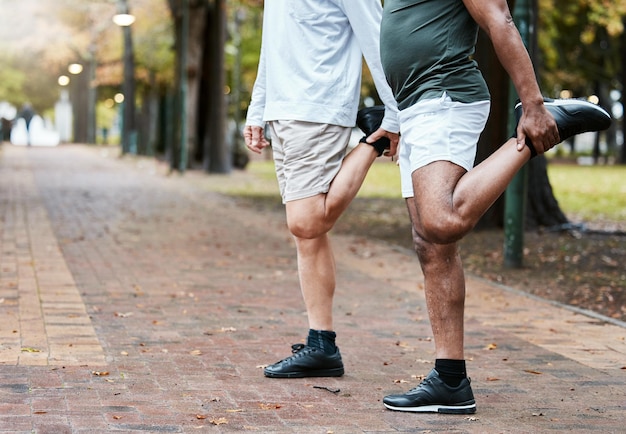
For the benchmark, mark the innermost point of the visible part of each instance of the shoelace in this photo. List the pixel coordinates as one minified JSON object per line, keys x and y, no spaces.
{"x":295,"y":348}
{"x":424,"y":382}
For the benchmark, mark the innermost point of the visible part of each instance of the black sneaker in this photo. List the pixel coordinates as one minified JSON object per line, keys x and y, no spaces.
{"x":434,"y":396}
{"x":572,"y":116}
{"x":307,"y":362}
{"x":369,"y":119}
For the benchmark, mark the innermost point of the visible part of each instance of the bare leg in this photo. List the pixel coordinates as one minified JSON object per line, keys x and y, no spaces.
{"x":444,"y":287}
{"x":449,"y":201}
{"x":309,"y":221}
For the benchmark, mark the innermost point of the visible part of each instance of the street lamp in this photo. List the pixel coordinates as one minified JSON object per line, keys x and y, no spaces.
{"x":124,"y":19}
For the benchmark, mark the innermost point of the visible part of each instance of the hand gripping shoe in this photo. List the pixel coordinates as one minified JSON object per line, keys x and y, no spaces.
{"x":572,"y":116}
{"x":369,"y":119}
{"x":434,"y":396}
{"x":307,"y":362}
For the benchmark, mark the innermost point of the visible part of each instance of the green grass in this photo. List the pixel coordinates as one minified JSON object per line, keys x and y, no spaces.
{"x":590,"y":191}
{"x":587,"y":191}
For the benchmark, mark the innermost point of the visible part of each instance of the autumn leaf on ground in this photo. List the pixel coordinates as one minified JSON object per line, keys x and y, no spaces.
{"x":530,"y":371}
{"x":123,"y":315}
{"x":100,"y":373}
{"x":220,"y":330}
{"x":30,"y":350}
{"x":195,"y":353}
{"x":491,"y":346}
{"x":219,"y":421}
{"x":400,"y":381}
{"x":270,"y":406}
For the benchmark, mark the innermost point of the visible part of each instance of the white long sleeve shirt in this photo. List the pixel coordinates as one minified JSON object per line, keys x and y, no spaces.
{"x":311,"y":61}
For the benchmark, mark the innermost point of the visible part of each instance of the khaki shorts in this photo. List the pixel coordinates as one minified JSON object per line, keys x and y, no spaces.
{"x":307,"y":156}
{"x":439,"y":130}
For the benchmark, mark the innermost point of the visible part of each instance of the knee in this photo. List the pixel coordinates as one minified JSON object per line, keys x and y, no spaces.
{"x":305,"y":228}
{"x":444,"y":229}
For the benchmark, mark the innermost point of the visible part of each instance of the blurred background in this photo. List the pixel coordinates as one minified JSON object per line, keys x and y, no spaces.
{"x":172,"y":78}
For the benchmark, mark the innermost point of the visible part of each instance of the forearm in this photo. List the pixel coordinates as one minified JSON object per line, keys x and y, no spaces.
{"x":514,"y":58}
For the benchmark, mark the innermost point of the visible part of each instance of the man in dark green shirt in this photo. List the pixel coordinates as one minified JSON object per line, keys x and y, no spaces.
{"x":426,"y":51}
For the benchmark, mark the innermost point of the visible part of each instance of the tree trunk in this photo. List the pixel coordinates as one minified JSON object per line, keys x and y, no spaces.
{"x":195,"y":48}
{"x":217,"y":155}
{"x":495,"y":133}
{"x":542,"y":207}
{"x":79,"y":92}
{"x":622,"y":156}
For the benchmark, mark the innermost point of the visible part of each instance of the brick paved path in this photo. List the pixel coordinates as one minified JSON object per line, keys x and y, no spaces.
{"x":134,"y":301}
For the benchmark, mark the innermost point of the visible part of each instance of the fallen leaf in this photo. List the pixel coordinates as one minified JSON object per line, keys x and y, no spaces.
{"x":196,"y":353}
{"x":400,"y":381}
{"x":492,"y":379}
{"x":100,"y":373}
{"x":220,"y":330}
{"x":200,"y":416}
{"x":30,"y":350}
{"x":491,"y":346}
{"x":530,"y":371}
{"x":235,"y":410}
{"x":123,"y":315}
{"x":117,"y":417}
{"x":270,"y":406}
{"x":219,"y":421}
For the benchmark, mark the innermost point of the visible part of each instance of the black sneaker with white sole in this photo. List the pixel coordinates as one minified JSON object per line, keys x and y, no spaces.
{"x":307,"y":362}
{"x":434,"y":396}
{"x":572,"y":116}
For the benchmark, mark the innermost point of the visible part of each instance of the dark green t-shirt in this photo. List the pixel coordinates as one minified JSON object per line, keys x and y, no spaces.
{"x":426,"y":49}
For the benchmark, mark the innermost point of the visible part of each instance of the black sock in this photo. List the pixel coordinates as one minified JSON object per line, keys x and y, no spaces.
{"x":451,"y":372}
{"x":323,"y":340}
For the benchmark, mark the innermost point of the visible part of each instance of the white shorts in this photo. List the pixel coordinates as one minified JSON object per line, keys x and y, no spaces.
{"x":439,"y":130}
{"x":307,"y":156}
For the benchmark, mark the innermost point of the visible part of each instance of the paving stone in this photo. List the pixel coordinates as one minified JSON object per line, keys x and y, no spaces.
{"x":134,"y":300}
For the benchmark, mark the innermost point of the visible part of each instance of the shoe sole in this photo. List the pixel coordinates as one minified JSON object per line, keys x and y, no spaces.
{"x":444,"y":409}
{"x":336,"y":372}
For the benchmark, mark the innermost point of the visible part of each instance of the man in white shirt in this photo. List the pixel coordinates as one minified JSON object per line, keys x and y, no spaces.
{"x":307,"y":89}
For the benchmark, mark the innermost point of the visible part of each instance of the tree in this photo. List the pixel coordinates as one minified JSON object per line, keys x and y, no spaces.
{"x":200,"y":28}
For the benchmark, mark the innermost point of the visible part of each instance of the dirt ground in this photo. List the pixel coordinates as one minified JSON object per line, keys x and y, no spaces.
{"x":586,"y":269}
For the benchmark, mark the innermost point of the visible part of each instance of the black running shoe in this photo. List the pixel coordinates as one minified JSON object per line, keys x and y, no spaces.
{"x":572,"y":116}
{"x":369,"y":119}
{"x":434,"y":396}
{"x":307,"y":362}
